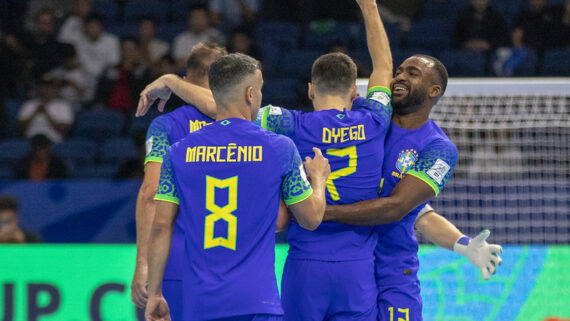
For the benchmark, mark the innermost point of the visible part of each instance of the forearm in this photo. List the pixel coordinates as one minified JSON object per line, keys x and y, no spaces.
{"x":438,"y":230}
{"x":366,"y":213}
{"x":198,"y":96}
{"x":378,"y":44}
{"x":144,"y":216}
{"x":158,"y":251}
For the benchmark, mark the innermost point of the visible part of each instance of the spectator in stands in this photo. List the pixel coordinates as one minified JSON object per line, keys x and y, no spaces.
{"x":199,"y":29}
{"x":15,"y":75}
{"x":240,"y":41}
{"x":10,"y":231}
{"x":43,"y":47}
{"x":70,"y":78}
{"x":72,"y":27}
{"x":40,"y":164}
{"x":228,"y":14}
{"x":120,"y":86}
{"x":151,"y":48}
{"x":97,"y":51}
{"x":47,"y":114}
{"x":560,"y":33}
{"x":532,"y":27}
{"x":479,"y":27}
{"x":165,"y":65}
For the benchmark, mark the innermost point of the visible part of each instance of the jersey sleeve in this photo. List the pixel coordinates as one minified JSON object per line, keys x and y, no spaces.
{"x":379,"y":102}
{"x":435,"y":164}
{"x":278,"y":120}
{"x":157,"y":140}
{"x":295,"y":187}
{"x":167,"y":184}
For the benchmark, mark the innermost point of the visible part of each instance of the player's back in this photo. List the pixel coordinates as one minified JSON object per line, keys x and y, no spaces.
{"x":353,"y":142}
{"x":164,"y":131}
{"x":229,"y":175}
{"x":428,"y":154}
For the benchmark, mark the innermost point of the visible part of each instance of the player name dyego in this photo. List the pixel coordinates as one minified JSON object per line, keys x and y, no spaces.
{"x":343,"y":134}
{"x":221,"y":154}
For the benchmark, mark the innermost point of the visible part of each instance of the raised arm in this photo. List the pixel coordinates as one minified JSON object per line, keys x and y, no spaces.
{"x":378,"y":45}
{"x":163,"y":87}
{"x":442,"y":232}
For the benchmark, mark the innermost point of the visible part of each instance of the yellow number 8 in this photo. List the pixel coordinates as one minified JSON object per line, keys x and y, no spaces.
{"x":221,"y":213}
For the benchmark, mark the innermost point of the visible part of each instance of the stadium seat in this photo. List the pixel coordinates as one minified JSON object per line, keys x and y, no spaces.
{"x":168,"y":32}
{"x":122,"y":31}
{"x":281,"y":92}
{"x":430,"y":34}
{"x":11,"y":150}
{"x":134,"y":10}
{"x":322,"y":38}
{"x":463,"y":63}
{"x":139,"y":125}
{"x":6,"y":172}
{"x":282,"y":34}
{"x":398,"y":56}
{"x":555,"y":63}
{"x":510,"y":9}
{"x":106,"y":171}
{"x":117,"y":150}
{"x":76,"y":150}
{"x":447,"y":9}
{"x":11,"y":110}
{"x":297,"y":63}
{"x":392,"y":30}
{"x":98,"y":125}
{"x":106,"y":8}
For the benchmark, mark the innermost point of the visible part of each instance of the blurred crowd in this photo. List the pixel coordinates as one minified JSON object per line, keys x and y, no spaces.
{"x":61,"y":57}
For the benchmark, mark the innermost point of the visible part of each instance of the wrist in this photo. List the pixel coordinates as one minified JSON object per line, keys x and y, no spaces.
{"x":460,"y":246}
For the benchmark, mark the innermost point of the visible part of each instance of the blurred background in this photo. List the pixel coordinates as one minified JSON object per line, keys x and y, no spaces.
{"x":71,"y":150}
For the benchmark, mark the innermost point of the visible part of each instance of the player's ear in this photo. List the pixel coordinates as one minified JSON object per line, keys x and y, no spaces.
{"x":249,"y":95}
{"x":434,"y":91}
{"x":353,"y":92}
{"x":311,"y":91}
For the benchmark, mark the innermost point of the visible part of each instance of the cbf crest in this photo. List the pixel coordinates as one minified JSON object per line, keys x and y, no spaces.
{"x":406,"y":160}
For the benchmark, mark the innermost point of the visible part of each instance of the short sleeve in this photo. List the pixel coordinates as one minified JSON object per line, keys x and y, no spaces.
{"x":278,"y":120}
{"x":157,"y":140}
{"x":167,"y":183}
{"x":379,"y":102}
{"x":295,"y":186}
{"x":435,"y":164}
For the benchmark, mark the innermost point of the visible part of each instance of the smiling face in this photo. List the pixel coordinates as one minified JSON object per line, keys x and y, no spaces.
{"x":410,"y":85}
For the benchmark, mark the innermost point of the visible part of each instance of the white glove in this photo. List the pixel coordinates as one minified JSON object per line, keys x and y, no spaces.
{"x":483,"y":255}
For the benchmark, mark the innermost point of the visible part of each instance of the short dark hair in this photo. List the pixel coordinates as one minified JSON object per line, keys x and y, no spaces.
{"x":440,"y":71}
{"x":333,"y":73}
{"x":230,"y":70}
{"x":201,"y":51}
{"x":198,"y":6}
{"x":8,"y":202}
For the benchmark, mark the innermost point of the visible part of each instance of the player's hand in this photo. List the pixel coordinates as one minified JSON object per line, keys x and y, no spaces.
{"x":139,"y":294}
{"x":318,"y":167}
{"x":483,"y":255}
{"x":157,"y":309}
{"x":155,"y":90}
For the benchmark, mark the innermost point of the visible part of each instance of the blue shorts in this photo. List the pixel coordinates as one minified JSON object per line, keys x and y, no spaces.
{"x":172,"y":292}
{"x":400,"y":302}
{"x":319,"y":290}
{"x":251,"y":317}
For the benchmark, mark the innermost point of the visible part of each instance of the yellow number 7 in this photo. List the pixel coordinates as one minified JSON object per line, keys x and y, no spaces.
{"x":345,"y":171}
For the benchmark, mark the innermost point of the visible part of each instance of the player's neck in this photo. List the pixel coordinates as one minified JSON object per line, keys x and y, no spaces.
{"x":412,"y":120}
{"x":326,"y":102}
{"x":233,"y":111}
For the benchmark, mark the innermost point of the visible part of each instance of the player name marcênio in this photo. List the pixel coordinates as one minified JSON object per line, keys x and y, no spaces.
{"x":221,"y":154}
{"x":343,"y":134}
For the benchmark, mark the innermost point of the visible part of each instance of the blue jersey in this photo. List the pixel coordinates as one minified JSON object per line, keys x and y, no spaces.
{"x":164,"y":131}
{"x":228,"y":179}
{"x":428,"y":154}
{"x":353,"y":142}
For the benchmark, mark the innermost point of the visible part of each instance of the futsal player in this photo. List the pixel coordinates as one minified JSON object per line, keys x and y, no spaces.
{"x":164,"y":131}
{"x":225,"y":181}
{"x":419,"y":160}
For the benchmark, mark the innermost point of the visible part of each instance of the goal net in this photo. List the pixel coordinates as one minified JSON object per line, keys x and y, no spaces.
{"x":513,"y":173}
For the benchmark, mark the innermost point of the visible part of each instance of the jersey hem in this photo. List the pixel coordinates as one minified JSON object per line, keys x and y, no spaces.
{"x":152,"y":159}
{"x":167,"y":199}
{"x":300,"y":198}
{"x":423,"y":177}
{"x":264,"y":117}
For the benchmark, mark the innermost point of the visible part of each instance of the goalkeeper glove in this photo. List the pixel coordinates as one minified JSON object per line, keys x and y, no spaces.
{"x":483,"y":255}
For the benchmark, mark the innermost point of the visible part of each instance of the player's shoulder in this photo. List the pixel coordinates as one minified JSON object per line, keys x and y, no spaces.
{"x":436,"y":134}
